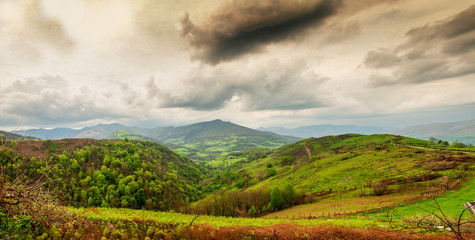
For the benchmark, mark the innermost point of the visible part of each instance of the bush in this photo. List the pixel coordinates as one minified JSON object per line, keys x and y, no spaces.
{"x":380,"y":189}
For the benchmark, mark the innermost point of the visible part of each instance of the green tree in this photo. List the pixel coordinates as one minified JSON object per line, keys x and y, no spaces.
{"x":276,"y":200}
{"x":252,"y":211}
{"x":271,"y":172}
{"x":289,"y":195}
{"x":140,"y":198}
{"x":286,"y":160}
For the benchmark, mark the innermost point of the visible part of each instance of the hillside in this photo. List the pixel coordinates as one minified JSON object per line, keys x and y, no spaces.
{"x":356,"y":173}
{"x":14,"y":137}
{"x":355,"y":161}
{"x":199,"y":141}
{"x":182,"y":150}
{"x":89,"y":172}
{"x":316,"y":178}
{"x":462,"y":132}
{"x":217,"y":138}
{"x":322,"y":130}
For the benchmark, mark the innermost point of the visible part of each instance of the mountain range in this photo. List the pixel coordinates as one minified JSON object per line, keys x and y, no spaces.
{"x":462,"y":132}
{"x":217,"y":138}
{"x":199,"y":141}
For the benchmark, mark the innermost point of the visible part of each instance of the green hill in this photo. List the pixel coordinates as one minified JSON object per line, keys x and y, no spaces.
{"x":182,"y":150}
{"x":327,"y":177}
{"x":358,"y":172}
{"x":108,"y":173}
{"x":355,"y":161}
{"x":218,"y":138}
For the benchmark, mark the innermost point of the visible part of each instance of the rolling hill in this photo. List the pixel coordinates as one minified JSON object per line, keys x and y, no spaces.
{"x":218,"y":138}
{"x":357,"y":173}
{"x":329,"y":177}
{"x":199,"y":141}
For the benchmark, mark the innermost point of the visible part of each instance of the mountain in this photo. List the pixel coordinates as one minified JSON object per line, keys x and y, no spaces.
{"x":218,"y":138}
{"x":199,"y":141}
{"x":97,"y":132}
{"x":52,"y":134}
{"x":322,"y":130}
{"x":462,"y":132}
{"x":13,"y":136}
{"x":100,"y":131}
{"x":182,"y":150}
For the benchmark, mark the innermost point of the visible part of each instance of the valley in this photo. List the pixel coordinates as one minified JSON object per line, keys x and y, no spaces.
{"x":132,"y":186}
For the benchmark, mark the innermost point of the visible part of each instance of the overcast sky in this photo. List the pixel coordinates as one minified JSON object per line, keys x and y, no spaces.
{"x":76,"y":63}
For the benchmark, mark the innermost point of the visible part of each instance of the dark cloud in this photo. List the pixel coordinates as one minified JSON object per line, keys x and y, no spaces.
{"x":241,"y":27}
{"x":436,"y":51}
{"x":275,"y":85}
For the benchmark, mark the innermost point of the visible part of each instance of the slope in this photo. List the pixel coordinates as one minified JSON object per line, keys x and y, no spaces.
{"x":182,"y":150}
{"x":218,"y":138}
{"x":9,"y":136}
{"x":358,"y":172}
{"x":107,"y":173}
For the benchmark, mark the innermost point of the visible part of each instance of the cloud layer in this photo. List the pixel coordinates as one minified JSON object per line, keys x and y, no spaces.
{"x":271,"y":85}
{"x":266,"y":62}
{"x":440,"y":50}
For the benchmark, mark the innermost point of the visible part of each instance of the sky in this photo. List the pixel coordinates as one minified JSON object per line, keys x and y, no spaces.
{"x":148,"y":63}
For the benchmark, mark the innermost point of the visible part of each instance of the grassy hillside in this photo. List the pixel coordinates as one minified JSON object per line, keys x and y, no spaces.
{"x":356,"y":173}
{"x":216,"y":138}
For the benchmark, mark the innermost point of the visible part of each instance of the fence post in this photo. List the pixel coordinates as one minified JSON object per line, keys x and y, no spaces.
{"x":402,"y":218}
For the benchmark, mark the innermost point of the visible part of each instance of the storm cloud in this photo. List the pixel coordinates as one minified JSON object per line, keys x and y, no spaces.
{"x":243,"y":27}
{"x":435,"y":51}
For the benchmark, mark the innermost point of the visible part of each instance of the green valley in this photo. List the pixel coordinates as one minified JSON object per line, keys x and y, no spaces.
{"x":296,"y":188}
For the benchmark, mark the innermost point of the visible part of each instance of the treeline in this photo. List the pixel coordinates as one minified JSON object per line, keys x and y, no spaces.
{"x":250,"y":203}
{"x":112,"y":174}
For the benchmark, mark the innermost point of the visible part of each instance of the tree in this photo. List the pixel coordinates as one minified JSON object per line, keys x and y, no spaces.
{"x":140,"y":198}
{"x":252,"y":211}
{"x":286,"y":160}
{"x":271,"y":172}
{"x":289,"y":195}
{"x":276,"y":200}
